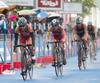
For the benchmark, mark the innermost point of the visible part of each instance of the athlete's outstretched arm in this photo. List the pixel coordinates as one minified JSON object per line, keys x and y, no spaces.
{"x":48,"y":33}
{"x":16,"y":35}
{"x":31,"y":34}
{"x":86,"y":33}
{"x":73,"y":31}
{"x":63,"y":32}
{"x":95,"y":32}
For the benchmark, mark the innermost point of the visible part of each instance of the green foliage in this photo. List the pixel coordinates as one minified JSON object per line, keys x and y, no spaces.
{"x":22,"y":8}
{"x":87,"y":5}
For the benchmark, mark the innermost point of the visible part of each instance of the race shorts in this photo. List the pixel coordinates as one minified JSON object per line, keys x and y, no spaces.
{"x":23,"y":39}
{"x":58,"y":37}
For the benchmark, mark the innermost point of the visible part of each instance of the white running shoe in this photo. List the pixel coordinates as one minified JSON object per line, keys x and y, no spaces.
{"x":95,"y":58}
{"x":33,"y":59}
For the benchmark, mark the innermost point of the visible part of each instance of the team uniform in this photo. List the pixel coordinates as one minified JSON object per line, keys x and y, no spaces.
{"x":57,"y":34}
{"x":25,"y":32}
{"x":81,"y":34}
{"x":93,"y":35}
{"x":80,"y":31}
{"x":91,"y":32}
{"x":24,"y":35}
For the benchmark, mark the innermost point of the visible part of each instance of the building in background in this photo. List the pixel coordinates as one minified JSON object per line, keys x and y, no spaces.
{"x":95,"y":16}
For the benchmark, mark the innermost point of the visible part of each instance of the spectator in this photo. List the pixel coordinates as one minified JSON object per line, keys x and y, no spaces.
{"x":35,"y":17}
{"x":48,"y":22}
{"x":61,"y":21}
{"x":31,"y":19}
{"x":17,"y":16}
{"x":27,"y":18}
{"x":35,"y":20}
{"x":15,"y":20}
{"x":43,"y":29}
{"x":14,"y":12}
{"x":9,"y":23}
{"x":6,"y":13}
{"x":2,"y":18}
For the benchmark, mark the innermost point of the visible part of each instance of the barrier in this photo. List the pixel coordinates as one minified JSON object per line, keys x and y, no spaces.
{"x":1,"y":69}
{"x":1,"y":58}
{"x":12,"y":43}
{"x":7,"y":66}
{"x":5,"y":59}
{"x":17,"y":64}
{"x":40,"y":47}
{"x":43,"y":55}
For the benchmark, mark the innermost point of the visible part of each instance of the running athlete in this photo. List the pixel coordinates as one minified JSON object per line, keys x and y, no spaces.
{"x":81,"y":34}
{"x":93,"y":34}
{"x":58,"y":33}
{"x":25,"y":31}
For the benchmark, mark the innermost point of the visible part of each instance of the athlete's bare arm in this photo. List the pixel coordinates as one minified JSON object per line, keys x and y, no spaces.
{"x":29,"y":28}
{"x":85,"y":30}
{"x":95,"y":32}
{"x":73,"y":31}
{"x":48,"y":33}
{"x":17,"y":29}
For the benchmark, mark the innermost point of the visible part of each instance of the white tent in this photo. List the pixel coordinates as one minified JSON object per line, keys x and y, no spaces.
{"x":53,"y":14}
{"x":3,"y":5}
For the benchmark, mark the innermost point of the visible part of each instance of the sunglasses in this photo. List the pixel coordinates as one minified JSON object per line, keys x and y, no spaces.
{"x":89,"y":25}
{"x":78,"y":23}
{"x":22,"y":25}
{"x":54,"y":25}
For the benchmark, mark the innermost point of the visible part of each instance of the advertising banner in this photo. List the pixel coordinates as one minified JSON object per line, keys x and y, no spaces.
{"x":49,"y":4}
{"x":72,"y":8}
{"x":19,"y":2}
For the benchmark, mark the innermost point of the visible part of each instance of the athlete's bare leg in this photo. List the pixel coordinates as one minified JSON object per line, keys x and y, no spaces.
{"x":29,"y":41}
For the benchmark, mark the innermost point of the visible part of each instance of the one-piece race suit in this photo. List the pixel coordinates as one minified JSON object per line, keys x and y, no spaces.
{"x":24,"y":34}
{"x":57,"y":34}
{"x":80,"y":31}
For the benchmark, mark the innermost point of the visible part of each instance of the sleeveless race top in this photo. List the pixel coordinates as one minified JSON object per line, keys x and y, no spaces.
{"x":57,"y":34}
{"x":90,"y":31}
{"x":25,"y":32}
{"x":80,"y":31}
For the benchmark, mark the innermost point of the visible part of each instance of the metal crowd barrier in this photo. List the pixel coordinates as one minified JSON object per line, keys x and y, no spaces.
{"x":38,"y":37}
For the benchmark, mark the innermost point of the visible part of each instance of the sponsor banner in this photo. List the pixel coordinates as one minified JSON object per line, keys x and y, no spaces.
{"x":19,"y":2}
{"x":49,"y":4}
{"x":72,"y":8}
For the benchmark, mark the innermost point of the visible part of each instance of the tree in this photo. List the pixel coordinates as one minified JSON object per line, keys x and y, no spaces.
{"x":87,"y":5}
{"x":22,"y":8}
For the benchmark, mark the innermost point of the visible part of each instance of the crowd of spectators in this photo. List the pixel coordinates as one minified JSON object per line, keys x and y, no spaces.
{"x":31,"y":20}
{"x":4,"y":17}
